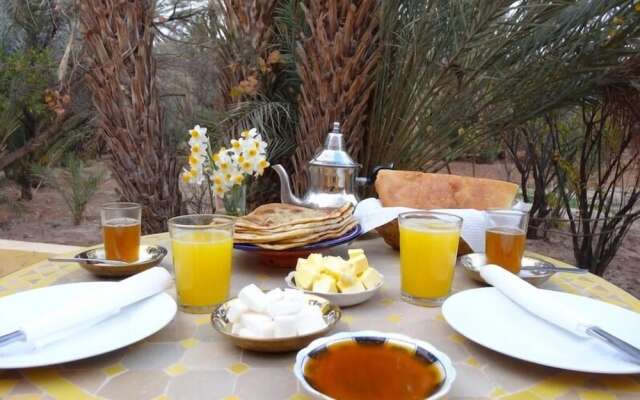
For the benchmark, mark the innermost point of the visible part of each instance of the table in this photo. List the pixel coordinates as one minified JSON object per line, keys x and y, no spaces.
{"x":189,"y":360}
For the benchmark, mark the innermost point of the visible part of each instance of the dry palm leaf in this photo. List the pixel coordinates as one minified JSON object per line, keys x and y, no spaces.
{"x":337,"y":63}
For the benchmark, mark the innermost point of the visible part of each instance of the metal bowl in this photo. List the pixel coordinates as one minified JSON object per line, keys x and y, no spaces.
{"x":150,"y":256}
{"x":330,"y":311}
{"x":472,"y":262}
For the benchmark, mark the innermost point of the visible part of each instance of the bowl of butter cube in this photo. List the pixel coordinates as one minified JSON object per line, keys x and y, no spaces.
{"x":343,"y":282}
{"x":273,"y":321}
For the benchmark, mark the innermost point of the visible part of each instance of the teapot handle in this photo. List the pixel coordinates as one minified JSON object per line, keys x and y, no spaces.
{"x":369,"y":180}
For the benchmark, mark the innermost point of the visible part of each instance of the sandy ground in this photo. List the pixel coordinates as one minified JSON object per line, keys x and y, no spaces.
{"x":46,"y":219}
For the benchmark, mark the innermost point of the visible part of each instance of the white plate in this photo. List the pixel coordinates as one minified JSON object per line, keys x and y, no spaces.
{"x":339,"y":299}
{"x":132,"y":324}
{"x":488,"y":318}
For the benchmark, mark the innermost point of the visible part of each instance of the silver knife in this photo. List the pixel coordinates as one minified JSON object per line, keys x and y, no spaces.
{"x":614,"y":341}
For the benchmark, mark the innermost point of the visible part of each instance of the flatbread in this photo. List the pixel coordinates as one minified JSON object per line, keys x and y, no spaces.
{"x":427,"y":191}
{"x":302,"y":232}
{"x":325,"y":236}
{"x":285,"y":228}
{"x":276,"y":215}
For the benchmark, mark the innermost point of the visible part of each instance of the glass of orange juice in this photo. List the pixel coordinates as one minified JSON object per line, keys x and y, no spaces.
{"x":121,"y":230}
{"x":505,"y":238}
{"x":202,"y":247}
{"x":428,"y":251}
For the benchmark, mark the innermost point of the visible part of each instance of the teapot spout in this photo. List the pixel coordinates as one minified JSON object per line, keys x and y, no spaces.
{"x":286,"y":194}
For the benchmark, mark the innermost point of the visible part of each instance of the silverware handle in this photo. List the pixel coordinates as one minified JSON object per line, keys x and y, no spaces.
{"x":556,"y":269}
{"x":599,"y":333}
{"x":11,"y":337}
{"x":89,"y":260}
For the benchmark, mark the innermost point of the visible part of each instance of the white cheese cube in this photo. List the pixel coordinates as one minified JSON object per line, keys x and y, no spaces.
{"x":355,"y":252}
{"x":325,"y":284}
{"x":236,"y":328}
{"x":293,"y":295}
{"x":355,"y":287}
{"x":370,"y":278}
{"x":285,"y":325}
{"x":255,"y":321}
{"x":359,"y":263}
{"x":274,"y":295}
{"x":235,"y":310}
{"x":244,"y":332}
{"x":284,"y":307}
{"x":310,"y":320}
{"x":253,"y":297}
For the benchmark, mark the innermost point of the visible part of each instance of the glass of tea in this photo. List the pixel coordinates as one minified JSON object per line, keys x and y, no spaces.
{"x":428,"y":251}
{"x":202,"y":247}
{"x":505,"y":238}
{"x":121,"y":230}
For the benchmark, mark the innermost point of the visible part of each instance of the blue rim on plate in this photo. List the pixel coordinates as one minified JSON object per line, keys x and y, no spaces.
{"x":347,"y":237}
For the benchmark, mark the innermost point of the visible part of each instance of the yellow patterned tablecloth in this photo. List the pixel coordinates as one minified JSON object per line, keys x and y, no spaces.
{"x":189,"y":360}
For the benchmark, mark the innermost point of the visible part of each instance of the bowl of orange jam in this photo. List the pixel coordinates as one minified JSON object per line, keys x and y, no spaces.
{"x":373,"y":365}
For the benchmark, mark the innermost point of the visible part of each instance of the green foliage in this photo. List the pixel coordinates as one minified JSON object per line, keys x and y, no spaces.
{"x":484,"y":67}
{"x":76,"y":184}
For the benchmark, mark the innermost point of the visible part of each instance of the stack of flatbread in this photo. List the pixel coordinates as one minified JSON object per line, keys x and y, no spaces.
{"x":278,"y":226}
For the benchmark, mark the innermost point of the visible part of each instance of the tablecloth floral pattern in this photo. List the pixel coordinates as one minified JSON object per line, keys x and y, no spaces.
{"x":189,"y":360}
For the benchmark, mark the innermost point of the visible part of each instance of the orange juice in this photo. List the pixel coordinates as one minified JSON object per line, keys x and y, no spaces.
{"x":428,"y":250}
{"x":121,"y":239}
{"x":505,"y":247}
{"x":202,"y":262}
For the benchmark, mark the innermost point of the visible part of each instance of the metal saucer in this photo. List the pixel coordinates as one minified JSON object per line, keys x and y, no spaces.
{"x":471,"y":262}
{"x":149,"y":256}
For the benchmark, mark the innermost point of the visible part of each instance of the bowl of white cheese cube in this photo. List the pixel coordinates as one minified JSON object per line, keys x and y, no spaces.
{"x":343,"y":282}
{"x":277,"y":320}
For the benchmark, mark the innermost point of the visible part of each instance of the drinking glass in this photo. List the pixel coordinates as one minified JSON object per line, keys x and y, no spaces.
{"x":428,"y":251}
{"x":121,"y":230}
{"x":505,"y":238}
{"x":202,"y":250}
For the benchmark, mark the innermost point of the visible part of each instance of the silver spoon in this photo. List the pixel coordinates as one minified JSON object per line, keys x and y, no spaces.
{"x":554,"y":269}
{"x":114,"y":263}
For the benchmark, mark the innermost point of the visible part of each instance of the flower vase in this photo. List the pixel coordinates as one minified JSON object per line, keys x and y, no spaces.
{"x":233,"y":202}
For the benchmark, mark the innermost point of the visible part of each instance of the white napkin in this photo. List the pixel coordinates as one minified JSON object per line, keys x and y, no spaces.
{"x":371,"y":214}
{"x":84,"y":313}
{"x":534,"y":300}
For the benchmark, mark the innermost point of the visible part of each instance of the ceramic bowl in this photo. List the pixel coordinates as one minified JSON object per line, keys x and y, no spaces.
{"x":331,"y":314}
{"x":339,"y":299}
{"x":150,"y":256}
{"x":471,"y":263}
{"x":442,"y":360}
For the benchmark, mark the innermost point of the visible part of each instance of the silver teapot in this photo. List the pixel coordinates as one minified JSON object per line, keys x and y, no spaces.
{"x":333,"y":176}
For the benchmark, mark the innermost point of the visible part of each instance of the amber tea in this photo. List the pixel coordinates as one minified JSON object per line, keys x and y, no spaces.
{"x":505,"y":247}
{"x":121,"y":239}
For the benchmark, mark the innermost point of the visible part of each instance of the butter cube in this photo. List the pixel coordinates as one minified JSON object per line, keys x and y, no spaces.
{"x":305,"y":276}
{"x":315,"y":258}
{"x":325,"y":284}
{"x":335,"y":266}
{"x":359,"y":263}
{"x":355,"y":252}
{"x":370,"y":278}
{"x":355,"y":287}
{"x":348,"y":277}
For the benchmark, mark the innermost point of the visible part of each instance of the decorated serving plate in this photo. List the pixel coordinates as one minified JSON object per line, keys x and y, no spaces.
{"x":288,"y":258}
{"x":331,"y":315}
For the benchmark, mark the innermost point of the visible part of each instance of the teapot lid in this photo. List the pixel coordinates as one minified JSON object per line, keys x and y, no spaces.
{"x":334,"y":154}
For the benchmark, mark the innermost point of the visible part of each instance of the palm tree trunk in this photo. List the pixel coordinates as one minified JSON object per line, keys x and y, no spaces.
{"x":122,"y":78}
{"x":337,"y":61}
